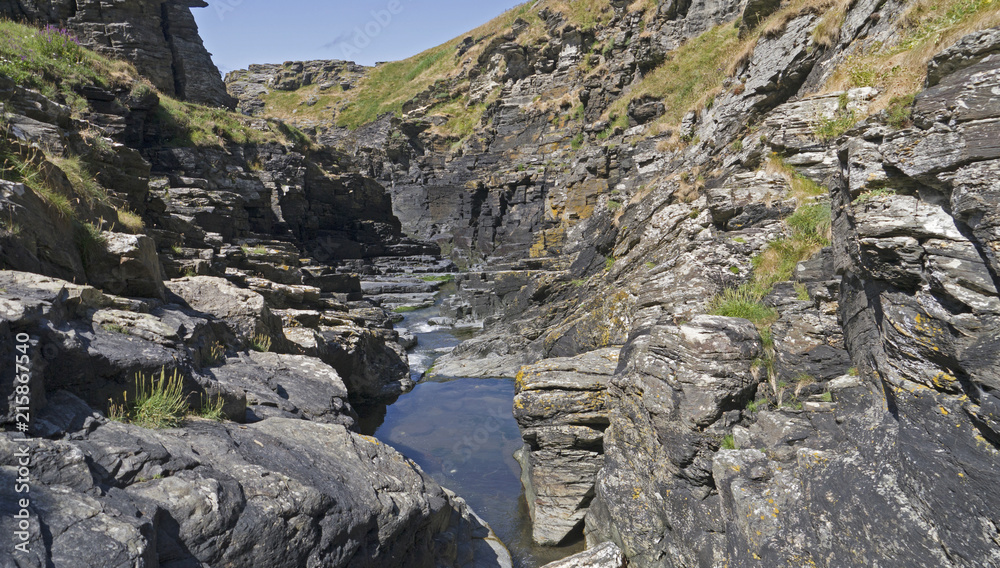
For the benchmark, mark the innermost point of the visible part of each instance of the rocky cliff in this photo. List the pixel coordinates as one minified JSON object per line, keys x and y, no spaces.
{"x":160,"y":38}
{"x":181,"y":294}
{"x":781,"y":211}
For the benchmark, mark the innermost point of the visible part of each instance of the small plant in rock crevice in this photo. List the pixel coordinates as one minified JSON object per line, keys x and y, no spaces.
{"x":156,"y":403}
{"x":260,"y":342}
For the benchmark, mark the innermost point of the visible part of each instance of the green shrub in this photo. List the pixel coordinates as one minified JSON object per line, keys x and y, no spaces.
{"x":213,"y":410}
{"x":900,"y":111}
{"x":829,"y":129}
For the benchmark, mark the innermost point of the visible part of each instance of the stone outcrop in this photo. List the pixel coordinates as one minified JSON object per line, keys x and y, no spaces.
{"x":862,"y":397}
{"x":154,"y":243}
{"x":115,"y":491}
{"x":160,"y":38}
{"x":606,"y":555}
{"x":562,"y":409}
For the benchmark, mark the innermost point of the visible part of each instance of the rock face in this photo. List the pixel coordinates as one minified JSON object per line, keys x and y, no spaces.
{"x":606,"y":555}
{"x":561,"y":408}
{"x":160,"y":38}
{"x":208,"y":492}
{"x":683,"y":387}
{"x":862,"y":395}
{"x":221,"y":497}
{"x":146,"y":242}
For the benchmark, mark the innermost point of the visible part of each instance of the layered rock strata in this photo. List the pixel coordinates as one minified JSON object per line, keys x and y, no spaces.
{"x":160,"y":38}
{"x":561,"y":408}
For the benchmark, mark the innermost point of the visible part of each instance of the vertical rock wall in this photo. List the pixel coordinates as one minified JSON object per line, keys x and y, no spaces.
{"x":160,"y":38}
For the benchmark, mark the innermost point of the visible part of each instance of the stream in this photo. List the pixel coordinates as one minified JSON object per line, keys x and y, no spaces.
{"x":462,"y":432}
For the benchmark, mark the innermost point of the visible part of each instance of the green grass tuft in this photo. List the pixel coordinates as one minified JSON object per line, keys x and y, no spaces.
{"x":743,"y":302}
{"x":261,"y":343}
{"x":728,"y":442}
{"x":158,"y":403}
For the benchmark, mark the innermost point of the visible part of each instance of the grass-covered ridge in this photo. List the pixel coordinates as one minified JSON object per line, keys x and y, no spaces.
{"x":898,"y":68}
{"x":52,"y":61}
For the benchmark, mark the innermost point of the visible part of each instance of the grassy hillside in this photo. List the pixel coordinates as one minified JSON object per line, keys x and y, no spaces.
{"x":52,"y":62}
{"x":691,"y":77}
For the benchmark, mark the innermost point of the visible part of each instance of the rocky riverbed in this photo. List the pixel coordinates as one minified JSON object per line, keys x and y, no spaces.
{"x":721,"y":290}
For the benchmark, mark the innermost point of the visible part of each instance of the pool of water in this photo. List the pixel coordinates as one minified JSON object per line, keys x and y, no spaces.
{"x":462,"y":432}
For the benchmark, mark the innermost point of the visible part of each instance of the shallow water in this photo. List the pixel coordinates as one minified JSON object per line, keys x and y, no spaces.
{"x":462,"y":432}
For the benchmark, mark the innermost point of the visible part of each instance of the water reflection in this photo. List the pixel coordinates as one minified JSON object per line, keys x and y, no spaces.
{"x":462,"y":433}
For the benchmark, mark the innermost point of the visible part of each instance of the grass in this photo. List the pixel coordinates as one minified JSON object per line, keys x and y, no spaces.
{"x":213,"y":410}
{"x":743,"y":302}
{"x":874,"y":194}
{"x":898,"y":68}
{"x":829,"y":129}
{"x":82,"y":178}
{"x":261,"y":343}
{"x":692,"y":73}
{"x":216,"y":353}
{"x":438,"y":278}
{"x":406,"y":309}
{"x":899,"y":112}
{"x":25,"y":165}
{"x":755,"y":405}
{"x":90,"y":241}
{"x":115,"y":328}
{"x":256,"y":250}
{"x":158,"y":403}
{"x":609,"y":263}
{"x":52,"y":61}
{"x":130,"y":221}
{"x":193,"y":125}
{"x":728,"y":442}
{"x":801,"y":292}
{"x":826,"y":397}
{"x":809,"y":231}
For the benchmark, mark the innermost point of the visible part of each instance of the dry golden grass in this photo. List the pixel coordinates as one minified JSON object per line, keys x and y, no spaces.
{"x":899,"y":68}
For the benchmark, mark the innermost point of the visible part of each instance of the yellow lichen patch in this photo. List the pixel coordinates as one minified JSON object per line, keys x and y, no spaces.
{"x":943,"y":380}
{"x":944,"y":411}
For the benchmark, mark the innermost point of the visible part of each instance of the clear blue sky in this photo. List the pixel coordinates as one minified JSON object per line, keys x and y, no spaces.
{"x":240,"y":32}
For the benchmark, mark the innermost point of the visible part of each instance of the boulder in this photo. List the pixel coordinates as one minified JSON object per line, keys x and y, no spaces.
{"x":291,"y":386}
{"x":372,"y":367}
{"x":561,"y":409}
{"x":245,"y":311}
{"x":126,"y":265}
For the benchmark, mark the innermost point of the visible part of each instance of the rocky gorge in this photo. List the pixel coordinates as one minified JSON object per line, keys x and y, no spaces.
{"x":739,"y":259}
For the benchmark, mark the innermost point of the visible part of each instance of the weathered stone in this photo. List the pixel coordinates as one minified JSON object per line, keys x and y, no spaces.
{"x":286,"y":385}
{"x":126,"y":265}
{"x":245,"y":311}
{"x":161,"y":39}
{"x":606,"y":555}
{"x":561,"y":408}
